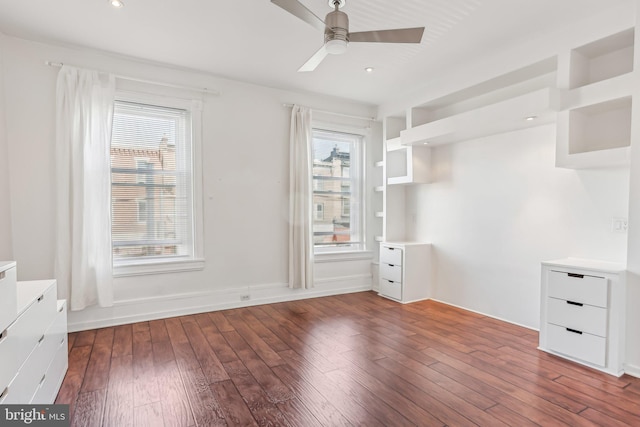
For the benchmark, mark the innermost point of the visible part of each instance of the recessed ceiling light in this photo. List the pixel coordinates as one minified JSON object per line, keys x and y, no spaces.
{"x":369,"y":70}
{"x":116,"y":3}
{"x":531,"y":118}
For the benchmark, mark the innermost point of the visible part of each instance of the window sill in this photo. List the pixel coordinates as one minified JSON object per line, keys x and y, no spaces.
{"x":342,"y":256}
{"x":157,"y":267}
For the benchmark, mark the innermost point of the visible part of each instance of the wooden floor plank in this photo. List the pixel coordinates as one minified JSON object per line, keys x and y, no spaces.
{"x":122,"y":341}
{"x":263,"y":410}
{"x":176,"y":408}
{"x":119,"y":400}
{"x":89,"y":409}
{"x":209,"y":362}
{"x":343,"y":360}
{"x":146,"y":389}
{"x":149,"y":415}
{"x":236,"y":412}
{"x":97,"y":375}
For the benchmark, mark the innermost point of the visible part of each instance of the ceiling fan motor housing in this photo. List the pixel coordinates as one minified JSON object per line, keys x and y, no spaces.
{"x":336,"y":32}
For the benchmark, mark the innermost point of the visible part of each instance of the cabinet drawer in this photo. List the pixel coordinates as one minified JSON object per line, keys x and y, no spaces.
{"x":391,"y":272}
{"x":579,"y":288}
{"x":391,"y":289}
{"x":8,"y":298}
{"x":33,"y":323}
{"x":390,"y":255}
{"x":9,"y":355}
{"x":585,"y":318}
{"x":48,"y":389}
{"x":586,"y":347}
{"x":32,"y":373}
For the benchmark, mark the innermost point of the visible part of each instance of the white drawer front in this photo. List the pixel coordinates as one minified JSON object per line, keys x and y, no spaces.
{"x":33,"y":323}
{"x":8,"y":298}
{"x":32,"y":374}
{"x":586,"y":347}
{"x":583,"y":289}
{"x":391,"y":272}
{"x":9,"y":354}
{"x":48,"y":389}
{"x":390,"y":255}
{"x":585,"y":318}
{"x":391,"y":289}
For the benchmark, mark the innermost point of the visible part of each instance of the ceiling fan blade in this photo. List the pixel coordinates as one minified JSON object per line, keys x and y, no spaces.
{"x":296,"y":8}
{"x":315,"y":60}
{"x":401,"y":35}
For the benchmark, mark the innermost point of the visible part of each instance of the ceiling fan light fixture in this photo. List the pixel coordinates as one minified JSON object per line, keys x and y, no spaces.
{"x":336,"y":46}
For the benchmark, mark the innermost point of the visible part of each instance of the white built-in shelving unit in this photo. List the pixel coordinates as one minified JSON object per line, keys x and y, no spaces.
{"x":594,"y":121}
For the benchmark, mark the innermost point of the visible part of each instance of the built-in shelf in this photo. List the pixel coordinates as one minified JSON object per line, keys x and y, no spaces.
{"x":539,"y":107}
{"x":594,"y":124}
{"x":408,"y":165}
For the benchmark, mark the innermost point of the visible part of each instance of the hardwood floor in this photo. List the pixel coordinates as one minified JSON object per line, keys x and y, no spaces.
{"x":354,"y":359}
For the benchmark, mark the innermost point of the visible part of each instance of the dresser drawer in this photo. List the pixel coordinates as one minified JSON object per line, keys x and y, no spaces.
{"x":391,"y":272}
{"x":391,"y":289}
{"x":585,"y":318}
{"x":34,"y":322}
{"x":8,"y":297}
{"x":32,"y":373}
{"x":48,"y":388}
{"x":390,"y":255}
{"x":584,"y":346}
{"x":578,"y":288}
{"x":9,"y":353}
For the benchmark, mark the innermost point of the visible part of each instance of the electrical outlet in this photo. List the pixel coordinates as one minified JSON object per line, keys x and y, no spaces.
{"x":619,"y":225}
{"x":244,"y":297}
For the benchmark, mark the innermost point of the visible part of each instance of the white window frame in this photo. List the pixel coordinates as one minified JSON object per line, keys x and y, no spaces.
{"x":134,"y":267}
{"x":325,"y":254}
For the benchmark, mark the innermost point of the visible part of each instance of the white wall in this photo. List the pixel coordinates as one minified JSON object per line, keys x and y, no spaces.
{"x":499,"y":206}
{"x":245,"y":162}
{"x":632,"y":365}
{"x":5,"y":206}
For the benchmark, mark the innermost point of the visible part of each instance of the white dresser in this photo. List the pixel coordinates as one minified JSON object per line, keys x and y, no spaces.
{"x":582,"y":312}
{"x":33,"y":347}
{"x":405,"y":271}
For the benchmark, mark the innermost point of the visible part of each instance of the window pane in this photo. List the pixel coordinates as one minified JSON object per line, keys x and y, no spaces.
{"x":150,"y":175}
{"x":336,"y":189}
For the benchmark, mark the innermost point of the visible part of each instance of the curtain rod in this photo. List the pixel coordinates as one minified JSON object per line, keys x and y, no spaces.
{"x":135,"y":79}
{"x":336,"y":114}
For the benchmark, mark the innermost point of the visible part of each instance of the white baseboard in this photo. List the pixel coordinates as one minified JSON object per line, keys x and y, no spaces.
{"x":160,"y":307}
{"x":485,"y":314}
{"x":632,"y":370}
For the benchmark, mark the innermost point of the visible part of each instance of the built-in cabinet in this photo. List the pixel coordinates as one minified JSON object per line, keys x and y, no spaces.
{"x":582,"y":312}
{"x":405,"y":271}
{"x":33,"y":345}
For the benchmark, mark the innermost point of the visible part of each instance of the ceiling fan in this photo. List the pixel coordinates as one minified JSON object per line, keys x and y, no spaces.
{"x":336,"y":31}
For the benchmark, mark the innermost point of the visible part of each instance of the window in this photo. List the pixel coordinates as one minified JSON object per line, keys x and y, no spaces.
{"x":153,"y":209}
{"x":318,"y":212}
{"x":338,"y":191}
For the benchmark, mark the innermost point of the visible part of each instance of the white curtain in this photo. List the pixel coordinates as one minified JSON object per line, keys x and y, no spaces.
{"x":83,"y":181}
{"x":300,"y":203}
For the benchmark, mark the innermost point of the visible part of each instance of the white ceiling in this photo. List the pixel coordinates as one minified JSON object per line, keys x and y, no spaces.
{"x":256,"y":41}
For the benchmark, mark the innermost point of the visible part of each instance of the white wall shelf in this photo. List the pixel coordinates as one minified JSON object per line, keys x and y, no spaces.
{"x":594,"y":124}
{"x":499,"y":117}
